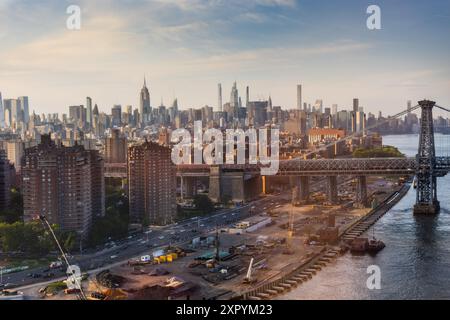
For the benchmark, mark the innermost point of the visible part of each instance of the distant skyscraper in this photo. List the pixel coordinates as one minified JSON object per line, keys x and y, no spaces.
{"x":89,"y":112}
{"x":2,"y":113}
{"x":247,"y":96}
{"x":144,"y":106}
{"x":152,"y":184}
{"x":25,"y":109}
{"x":116,"y":113}
{"x":14,"y":151}
{"x":234,"y":97}
{"x":76,"y":113}
{"x":409,"y":106}
{"x":299,"y":97}
{"x":334,"y":109}
{"x":319,"y":105}
{"x":220,"y":103}
{"x":355,"y":105}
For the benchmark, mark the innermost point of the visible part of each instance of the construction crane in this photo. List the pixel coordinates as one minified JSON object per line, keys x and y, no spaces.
{"x":248,"y":278}
{"x":73,"y":276}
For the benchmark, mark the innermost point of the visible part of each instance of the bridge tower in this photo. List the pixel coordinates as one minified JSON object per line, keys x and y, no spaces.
{"x":426,"y":202}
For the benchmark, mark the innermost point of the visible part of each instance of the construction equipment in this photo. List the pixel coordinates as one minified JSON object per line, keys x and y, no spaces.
{"x":248,"y":278}
{"x":73,"y":277}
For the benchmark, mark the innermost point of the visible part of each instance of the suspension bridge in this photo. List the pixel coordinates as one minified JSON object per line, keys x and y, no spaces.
{"x":426,"y":167}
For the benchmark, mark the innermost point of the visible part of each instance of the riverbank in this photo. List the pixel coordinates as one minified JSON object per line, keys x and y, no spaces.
{"x":306,"y":270}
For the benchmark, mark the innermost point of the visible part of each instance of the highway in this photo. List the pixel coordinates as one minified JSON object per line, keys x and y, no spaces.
{"x":119,"y":252}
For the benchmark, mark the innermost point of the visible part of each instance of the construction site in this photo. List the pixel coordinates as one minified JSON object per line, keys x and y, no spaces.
{"x":268,"y":253}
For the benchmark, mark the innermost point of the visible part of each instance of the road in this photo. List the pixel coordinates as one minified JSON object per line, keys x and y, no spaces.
{"x":154,"y":238}
{"x":181,"y":233}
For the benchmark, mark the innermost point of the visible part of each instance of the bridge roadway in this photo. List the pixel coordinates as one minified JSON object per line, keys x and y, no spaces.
{"x":329,"y":167}
{"x":318,"y":167}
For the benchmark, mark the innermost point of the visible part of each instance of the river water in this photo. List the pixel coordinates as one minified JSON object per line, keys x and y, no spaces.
{"x":416,"y":261}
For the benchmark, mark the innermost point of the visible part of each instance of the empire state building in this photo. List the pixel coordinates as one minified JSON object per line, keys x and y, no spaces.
{"x":144,"y":106}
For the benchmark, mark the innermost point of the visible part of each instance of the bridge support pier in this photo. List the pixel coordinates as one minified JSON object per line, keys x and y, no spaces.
{"x":302,"y":184}
{"x":361,"y":191}
{"x":427,"y":202}
{"x":332,"y":190}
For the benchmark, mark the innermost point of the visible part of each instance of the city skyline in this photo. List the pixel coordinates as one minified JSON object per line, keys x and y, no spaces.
{"x":186,"y":48}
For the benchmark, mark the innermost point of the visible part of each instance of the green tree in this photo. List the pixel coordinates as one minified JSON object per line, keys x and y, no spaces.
{"x":203,"y":204}
{"x":114,"y":224}
{"x":379,"y":152}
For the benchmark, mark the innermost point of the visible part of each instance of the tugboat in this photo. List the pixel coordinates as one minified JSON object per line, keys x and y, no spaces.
{"x":374,"y":246}
{"x":363,"y":245}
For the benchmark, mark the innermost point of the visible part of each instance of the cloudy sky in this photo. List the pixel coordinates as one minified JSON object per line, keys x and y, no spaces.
{"x":186,"y":47}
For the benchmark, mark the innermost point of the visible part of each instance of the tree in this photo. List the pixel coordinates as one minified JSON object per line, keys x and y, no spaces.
{"x":15,"y":212}
{"x":203,"y":204}
{"x":30,"y":238}
{"x":383,"y":152}
{"x":114,"y":224}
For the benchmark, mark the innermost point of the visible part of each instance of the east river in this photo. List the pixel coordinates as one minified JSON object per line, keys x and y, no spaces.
{"x":416,"y":261}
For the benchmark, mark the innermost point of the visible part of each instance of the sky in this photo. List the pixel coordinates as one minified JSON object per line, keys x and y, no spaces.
{"x":186,"y":47}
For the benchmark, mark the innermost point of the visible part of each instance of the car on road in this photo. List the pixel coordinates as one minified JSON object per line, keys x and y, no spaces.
{"x":113,"y":257}
{"x":8,"y":286}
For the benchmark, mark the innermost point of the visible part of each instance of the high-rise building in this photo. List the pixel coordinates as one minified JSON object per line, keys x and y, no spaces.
{"x":7,"y":105}
{"x":89,"y":112}
{"x":299,"y":97}
{"x":220,"y":103}
{"x":116,"y":113}
{"x":234,"y":97}
{"x":2,"y":113}
{"x":152,"y":184}
{"x":25,"y":109}
{"x":14,"y":151}
{"x":116,"y":148}
{"x":409,"y":106}
{"x":5,"y":181}
{"x":144,"y":106}
{"x":76,"y":114}
{"x":318,"y":105}
{"x":65,"y":184}
{"x":15,"y":111}
{"x":247,"y":96}
{"x":355,"y":105}
{"x":334,"y":109}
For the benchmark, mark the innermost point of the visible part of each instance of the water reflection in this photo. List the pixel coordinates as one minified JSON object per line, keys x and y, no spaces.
{"x":415,"y":263}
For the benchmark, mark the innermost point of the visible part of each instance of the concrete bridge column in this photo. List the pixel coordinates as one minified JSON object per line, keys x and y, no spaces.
{"x":332,"y":190}
{"x":182,"y":187}
{"x":361,"y":190}
{"x":303,"y":187}
{"x":190,"y":187}
{"x":215,"y":183}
